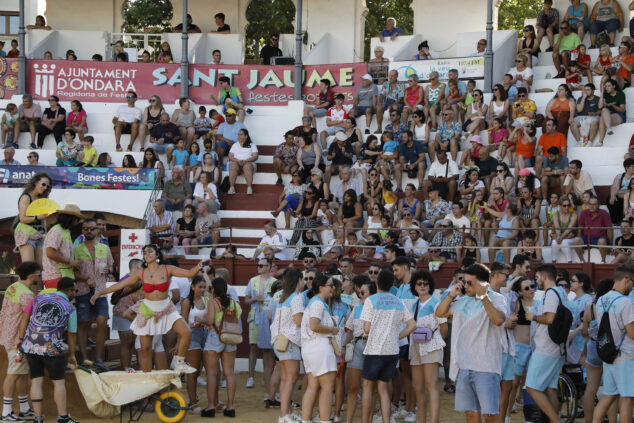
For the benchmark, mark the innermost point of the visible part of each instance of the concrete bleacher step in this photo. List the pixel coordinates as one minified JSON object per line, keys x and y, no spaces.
{"x":546,"y":58}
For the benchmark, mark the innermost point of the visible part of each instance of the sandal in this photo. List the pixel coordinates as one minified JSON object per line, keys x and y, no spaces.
{"x":449,"y":389}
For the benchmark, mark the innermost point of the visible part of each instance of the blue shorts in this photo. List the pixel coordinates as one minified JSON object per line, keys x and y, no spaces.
{"x":213,"y":343}
{"x":389,"y":102}
{"x":522,"y":355}
{"x":357,"y":356}
{"x":592,"y":356}
{"x":293,"y":352}
{"x":361,"y":110}
{"x":222,"y":144}
{"x":85,"y":309}
{"x":508,"y":367}
{"x":594,"y":240}
{"x":120,"y":324}
{"x":293,"y":202}
{"x":478,"y":391}
{"x":162,"y":148}
{"x":35,"y":243}
{"x":199,"y":337}
{"x":543,"y":372}
{"x":617,"y":378}
{"x":379,"y":367}
{"x":202,"y":131}
{"x":332,"y":130}
{"x":319,"y":112}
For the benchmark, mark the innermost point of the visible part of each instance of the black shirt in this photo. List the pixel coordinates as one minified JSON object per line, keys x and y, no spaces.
{"x":339,"y":158}
{"x":225,"y":27}
{"x":190,"y":27}
{"x":52,"y":114}
{"x":487,"y":167}
{"x":268,"y":52}
{"x":168,"y":132}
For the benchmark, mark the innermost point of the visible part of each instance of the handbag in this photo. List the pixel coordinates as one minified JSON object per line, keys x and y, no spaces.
{"x":230,"y":332}
{"x":335,"y":345}
{"x":421,"y":335}
{"x":281,"y":341}
{"x":349,"y":352}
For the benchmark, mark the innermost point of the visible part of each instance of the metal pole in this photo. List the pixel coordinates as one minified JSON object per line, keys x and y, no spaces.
{"x":22,"y":56}
{"x":298,"y":52}
{"x":488,"y":54}
{"x":184,"y":55}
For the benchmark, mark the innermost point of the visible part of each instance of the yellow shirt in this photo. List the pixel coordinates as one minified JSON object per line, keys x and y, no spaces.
{"x":90,"y":156}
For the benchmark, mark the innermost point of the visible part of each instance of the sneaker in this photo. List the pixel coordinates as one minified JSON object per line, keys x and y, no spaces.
{"x":271,"y":403}
{"x":27,"y":415}
{"x":549,"y":49}
{"x":67,"y":419}
{"x":599,"y":144}
{"x":129,"y":149}
{"x":378,"y":131}
{"x":208,"y":413}
{"x":400,"y":413}
{"x":181,"y":366}
{"x":231,"y":191}
{"x":279,"y":182}
{"x":11,"y":417}
{"x":91,"y":343}
{"x":249,"y":111}
{"x":250,"y":383}
{"x":33,"y":146}
{"x":294,"y":405}
{"x":249,"y":190}
{"x":377,"y":418}
{"x":410,"y":418}
{"x":229,"y":413}
{"x":507,"y":419}
{"x":367,"y":130}
{"x":223,"y":383}
{"x":119,"y":149}
{"x":201,"y":381}
{"x":336,"y":419}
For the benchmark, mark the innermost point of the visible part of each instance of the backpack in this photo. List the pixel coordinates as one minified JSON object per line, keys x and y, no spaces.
{"x":560,"y":327}
{"x":230,"y":332}
{"x":606,"y":347}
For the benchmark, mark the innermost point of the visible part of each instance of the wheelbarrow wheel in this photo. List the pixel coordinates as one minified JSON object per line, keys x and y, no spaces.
{"x":171,"y":409}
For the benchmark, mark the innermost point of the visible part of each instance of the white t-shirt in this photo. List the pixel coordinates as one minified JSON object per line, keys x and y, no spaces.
{"x":243,"y":153}
{"x":183,"y":285}
{"x":128,"y":114}
{"x":420,"y":247}
{"x":283,"y":321}
{"x":275,"y":241}
{"x":526,"y":73}
{"x":459,"y":223}
{"x":386,"y":314}
{"x":543,"y":344}
{"x":438,"y":170}
{"x":199,"y":191}
{"x":621,"y":314}
{"x":475,"y":340}
{"x":315,"y":308}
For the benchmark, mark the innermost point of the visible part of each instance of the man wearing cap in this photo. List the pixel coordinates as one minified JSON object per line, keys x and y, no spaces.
{"x":443,"y":173}
{"x":365,"y":101}
{"x":30,"y":116}
{"x":340,"y":154}
{"x":554,"y":171}
{"x":335,"y":119}
{"x":285,"y":157}
{"x":227,"y":133}
{"x":59,"y":259}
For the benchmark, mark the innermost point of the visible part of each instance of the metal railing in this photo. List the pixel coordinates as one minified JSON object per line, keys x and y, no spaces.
{"x":158,"y":188}
{"x":141,"y":41}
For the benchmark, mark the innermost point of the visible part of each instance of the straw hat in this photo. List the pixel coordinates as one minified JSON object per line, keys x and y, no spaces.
{"x":73,"y":210}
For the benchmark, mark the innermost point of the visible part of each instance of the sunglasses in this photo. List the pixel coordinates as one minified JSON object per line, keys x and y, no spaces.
{"x":310,"y":193}
{"x":274,"y":39}
{"x":565,"y":205}
{"x":495,"y":89}
{"x":518,"y":61}
{"x":309,"y":278}
{"x":499,"y":170}
{"x":406,"y":214}
{"x":152,"y":100}
{"x":309,"y":261}
{"x":564,"y":285}
{"x":445,"y":114}
{"x":44,"y":184}
{"x":422,"y":283}
{"x":129,"y":97}
{"x":447,"y":226}
{"x":262,"y":265}
{"x":89,"y":229}
{"x":373,"y":272}
{"x":530,"y":287}
{"x":373,"y":174}
{"x":521,"y":95}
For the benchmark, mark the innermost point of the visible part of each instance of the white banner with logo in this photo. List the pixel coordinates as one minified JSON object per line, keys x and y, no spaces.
{"x":468,"y":67}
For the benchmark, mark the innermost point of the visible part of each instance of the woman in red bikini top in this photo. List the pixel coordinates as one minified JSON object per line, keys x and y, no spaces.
{"x":156,"y":305}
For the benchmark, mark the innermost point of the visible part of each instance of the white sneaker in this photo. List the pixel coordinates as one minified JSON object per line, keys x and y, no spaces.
{"x":507,"y":419}
{"x":250,"y":383}
{"x":180,"y":366}
{"x":201,"y":381}
{"x":249,"y":191}
{"x":392,"y":419}
{"x":411,"y":417}
{"x":337,"y":419}
{"x":231,"y":191}
{"x":377,"y":418}
{"x":400,"y":413}
{"x":223,"y":383}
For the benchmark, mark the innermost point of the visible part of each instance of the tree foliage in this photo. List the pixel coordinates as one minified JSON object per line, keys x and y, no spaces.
{"x":379,"y":11}
{"x":266,"y":17}
{"x":140,"y":14}
{"x":512,"y":13}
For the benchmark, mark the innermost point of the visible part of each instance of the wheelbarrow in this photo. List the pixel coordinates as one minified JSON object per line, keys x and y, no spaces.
{"x":106,"y":394}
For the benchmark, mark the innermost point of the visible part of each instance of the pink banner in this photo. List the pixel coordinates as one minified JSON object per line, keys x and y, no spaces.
{"x":109,"y":81}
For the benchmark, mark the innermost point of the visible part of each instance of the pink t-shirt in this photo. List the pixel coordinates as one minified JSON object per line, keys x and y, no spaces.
{"x":497,"y":136}
{"x":74,"y":119}
{"x":17,"y":297}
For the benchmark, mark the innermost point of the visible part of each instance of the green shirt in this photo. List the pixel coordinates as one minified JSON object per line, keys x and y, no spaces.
{"x":569,"y":42}
{"x":177,"y":192}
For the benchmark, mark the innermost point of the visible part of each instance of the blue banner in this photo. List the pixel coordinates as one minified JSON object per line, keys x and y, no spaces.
{"x":81,"y":177}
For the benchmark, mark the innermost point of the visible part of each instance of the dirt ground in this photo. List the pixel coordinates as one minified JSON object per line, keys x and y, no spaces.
{"x":249,"y":406}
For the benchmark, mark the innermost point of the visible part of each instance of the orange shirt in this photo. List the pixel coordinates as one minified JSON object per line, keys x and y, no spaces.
{"x":561,"y":105}
{"x":622,"y":72}
{"x":525,"y":150}
{"x":558,"y":140}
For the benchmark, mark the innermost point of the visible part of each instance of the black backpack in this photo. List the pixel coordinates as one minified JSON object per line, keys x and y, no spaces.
{"x":606,"y":347}
{"x":560,"y":327}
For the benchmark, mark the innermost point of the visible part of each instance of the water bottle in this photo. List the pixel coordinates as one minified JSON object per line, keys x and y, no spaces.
{"x":18,"y":357}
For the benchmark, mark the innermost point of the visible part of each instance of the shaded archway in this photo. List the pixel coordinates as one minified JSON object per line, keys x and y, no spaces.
{"x":266,"y":17}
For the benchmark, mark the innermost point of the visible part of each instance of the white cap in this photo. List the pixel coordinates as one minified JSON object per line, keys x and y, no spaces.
{"x":341,"y":136}
{"x":367,"y":76}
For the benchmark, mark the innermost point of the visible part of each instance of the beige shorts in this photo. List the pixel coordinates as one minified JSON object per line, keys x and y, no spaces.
{"x":431,"y":357}
{"x":15,"y":368}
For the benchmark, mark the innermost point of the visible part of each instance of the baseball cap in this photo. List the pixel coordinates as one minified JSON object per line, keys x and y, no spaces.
{"x":367,"y":76}
{"x":341,"y":136}
{"x":230,"y":112}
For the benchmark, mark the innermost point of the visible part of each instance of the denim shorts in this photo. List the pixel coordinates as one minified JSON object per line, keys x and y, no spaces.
{"x":293,"y":352}
{"x":199,"y":337}
{"x":319,"y":112}
{"x":85,"y":309}
{"x":120,"y":324}
{"x":592,"y":356}
{"x":543,"y":372}
{"x":361,"y":110}
{"x":357,"y":356}
{"x":379,"y":367}
{"x":522,"y":355}
{"x":617,"y":378}
{"x":161,"y":148}
{"x":222,"y":144}
{"x":508,"y":367}
{"x":478,"y":391}
{"x":213,"y":343}
{"x":35,"y":243}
